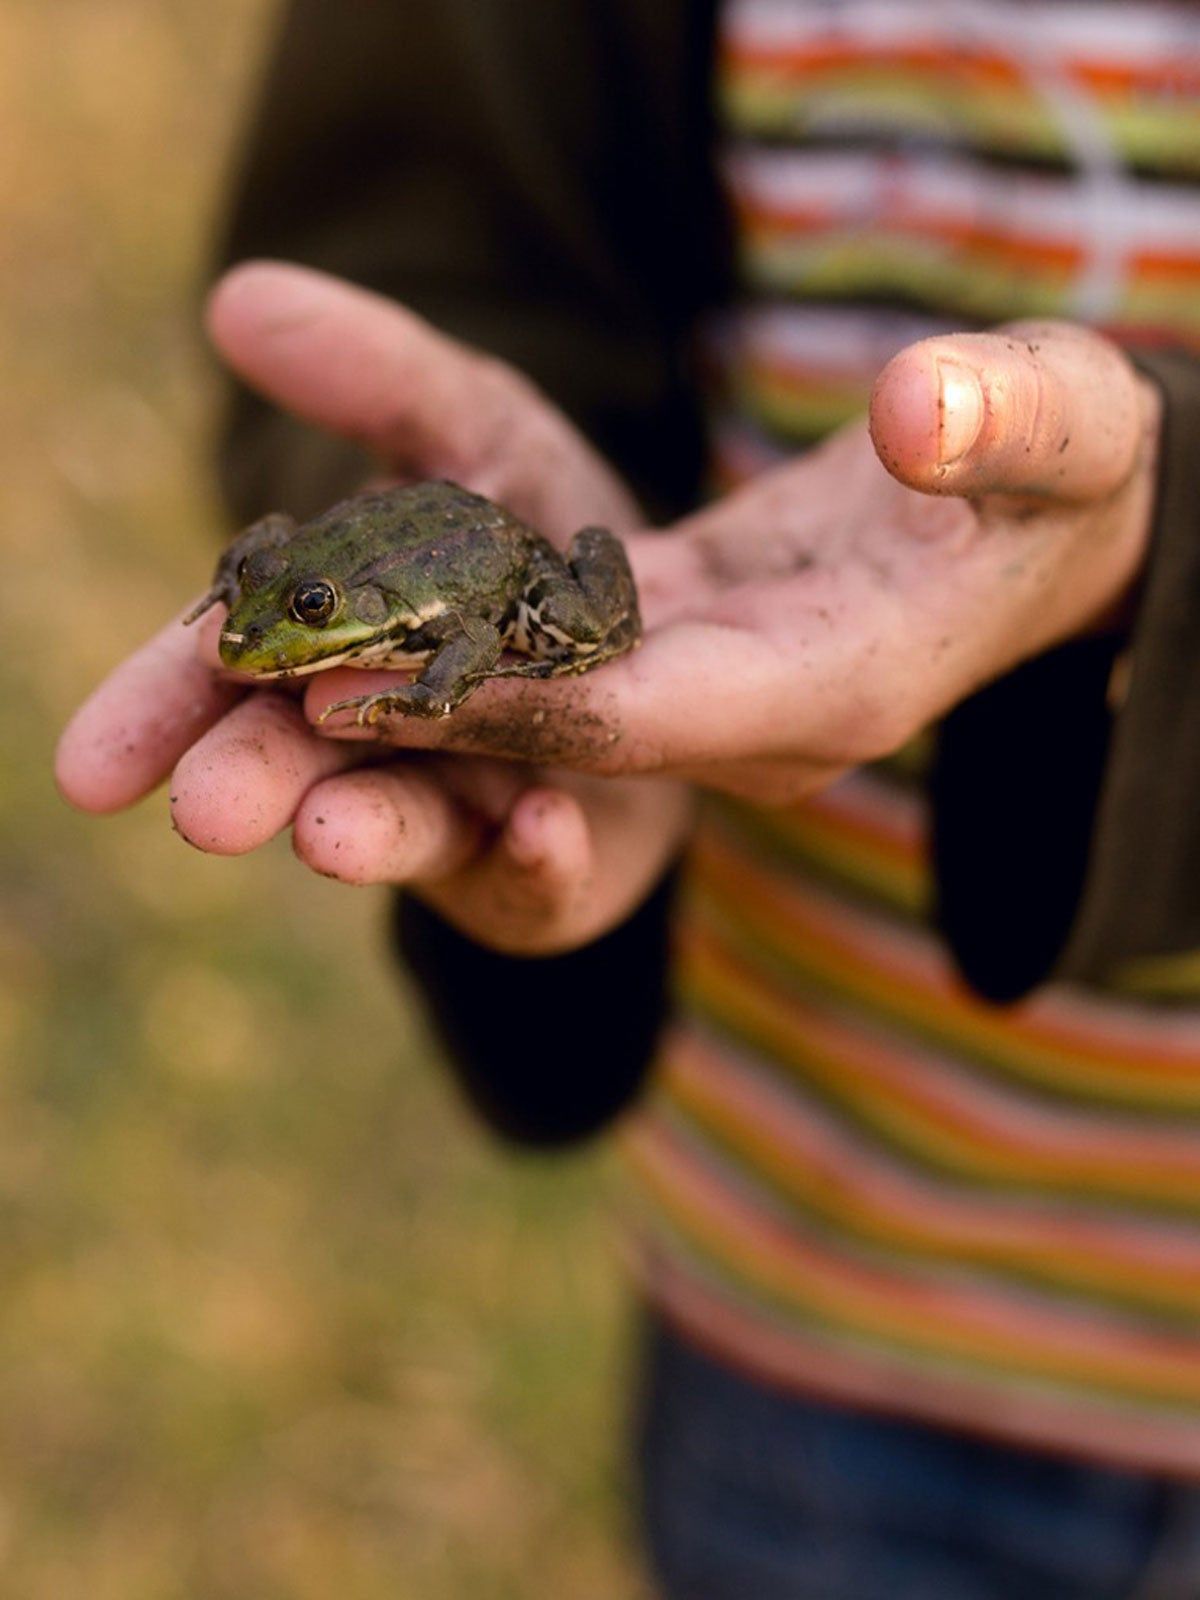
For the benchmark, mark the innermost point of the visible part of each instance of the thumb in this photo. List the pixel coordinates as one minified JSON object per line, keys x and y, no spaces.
{"x":359,"y":365}
{"x":1046,"y":409}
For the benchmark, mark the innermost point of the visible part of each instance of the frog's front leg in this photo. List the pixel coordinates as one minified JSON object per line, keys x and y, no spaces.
{"x":468,"y":652}
{"x":253,"y":554}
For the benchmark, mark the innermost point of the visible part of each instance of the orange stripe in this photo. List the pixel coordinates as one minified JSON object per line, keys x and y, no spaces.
{"x":1178,"y":79}
{"x":1172,"y":266}
{"x":742,"y":57}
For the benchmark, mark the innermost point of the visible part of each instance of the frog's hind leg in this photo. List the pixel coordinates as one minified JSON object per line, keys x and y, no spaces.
{"x":578,"y":613}
{"x":600,"y":566}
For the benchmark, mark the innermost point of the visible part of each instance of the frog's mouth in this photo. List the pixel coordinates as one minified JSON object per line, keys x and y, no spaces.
{"x":244,"y":652}
{"x":302,"y":671}
{"x":378,"y":653}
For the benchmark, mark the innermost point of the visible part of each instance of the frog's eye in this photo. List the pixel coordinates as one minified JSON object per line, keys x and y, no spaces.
{"x":313,"y":602}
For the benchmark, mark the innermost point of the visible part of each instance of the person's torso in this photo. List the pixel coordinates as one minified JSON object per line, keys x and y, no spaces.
{"x":856,"y":1178}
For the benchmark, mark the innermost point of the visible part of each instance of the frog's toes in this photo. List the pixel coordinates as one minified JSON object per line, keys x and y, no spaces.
{"x":355,"y":704}
{"x":414,"y":700}
{"x":373,"y":711}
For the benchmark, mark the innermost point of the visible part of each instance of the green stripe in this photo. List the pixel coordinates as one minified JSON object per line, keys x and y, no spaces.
{"x":1160,"y":138}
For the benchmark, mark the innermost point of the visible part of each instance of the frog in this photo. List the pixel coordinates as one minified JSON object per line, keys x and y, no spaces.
{"x":427,"y":576}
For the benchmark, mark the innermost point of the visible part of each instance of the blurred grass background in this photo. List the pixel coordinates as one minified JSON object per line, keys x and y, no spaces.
{"x":275,"y":1322}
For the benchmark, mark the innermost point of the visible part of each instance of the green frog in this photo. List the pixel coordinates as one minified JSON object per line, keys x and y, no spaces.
{"x":429,"y":576}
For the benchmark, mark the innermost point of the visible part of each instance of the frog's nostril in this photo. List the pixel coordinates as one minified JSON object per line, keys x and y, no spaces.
{"x":235,"y":644}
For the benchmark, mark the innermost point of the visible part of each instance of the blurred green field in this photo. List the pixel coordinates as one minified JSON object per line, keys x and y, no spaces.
{"x":275,"y":1323}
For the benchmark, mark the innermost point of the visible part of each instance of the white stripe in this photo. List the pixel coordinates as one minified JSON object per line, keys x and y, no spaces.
{"x":1143,"y":34}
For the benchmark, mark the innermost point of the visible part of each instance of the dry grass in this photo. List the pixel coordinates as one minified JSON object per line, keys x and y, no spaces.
{"x":274,"y":1323}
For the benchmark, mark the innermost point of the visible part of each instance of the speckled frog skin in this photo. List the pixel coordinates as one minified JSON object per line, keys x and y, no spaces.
{"x":428,"y":576}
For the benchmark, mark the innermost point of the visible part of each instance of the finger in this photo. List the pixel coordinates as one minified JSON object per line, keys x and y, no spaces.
{"x":241,"y":783}
{"x":547,"y":845}
{"x":558,"y":723}
{"x":532,"y":890}
{"x":577,"y":855}
{"x":128,"y":734}
{"x":400,"y":825}
{"x":385,"y":825}
{"x":1037,"y":408}
{"x":363,"y":367}
{"x":488,"y":788}
{"x":668,"y":704}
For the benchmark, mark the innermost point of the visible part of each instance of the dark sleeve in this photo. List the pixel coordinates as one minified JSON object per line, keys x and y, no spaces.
{"x":549,"y":1049}
{"x":534,"y":176}
{"x":1067,"y":835}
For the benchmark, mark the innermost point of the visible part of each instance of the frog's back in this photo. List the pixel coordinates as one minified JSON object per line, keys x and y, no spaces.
{"x":442,"y":522}
{"x":408,"y":517}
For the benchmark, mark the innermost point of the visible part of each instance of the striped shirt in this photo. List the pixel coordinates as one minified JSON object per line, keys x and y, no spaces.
{"x":856,"y":1179}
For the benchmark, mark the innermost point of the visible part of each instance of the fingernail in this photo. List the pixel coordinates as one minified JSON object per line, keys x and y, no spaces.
{"x":960,"y":410}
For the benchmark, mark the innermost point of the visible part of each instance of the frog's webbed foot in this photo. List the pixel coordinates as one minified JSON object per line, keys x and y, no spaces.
{"x":260,"y":540}
{"x":461,"y":662}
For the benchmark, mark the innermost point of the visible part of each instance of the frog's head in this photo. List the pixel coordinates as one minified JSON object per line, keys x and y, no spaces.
{"x":294,"y":615}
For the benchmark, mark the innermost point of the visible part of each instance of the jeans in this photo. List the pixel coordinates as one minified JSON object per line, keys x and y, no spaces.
{"x":752,"y":1494}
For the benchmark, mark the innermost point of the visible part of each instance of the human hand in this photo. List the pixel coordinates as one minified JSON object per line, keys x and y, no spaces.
{"x":810,"y":621}
{"x":827,"y":611}
{"x":517,"y":858}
